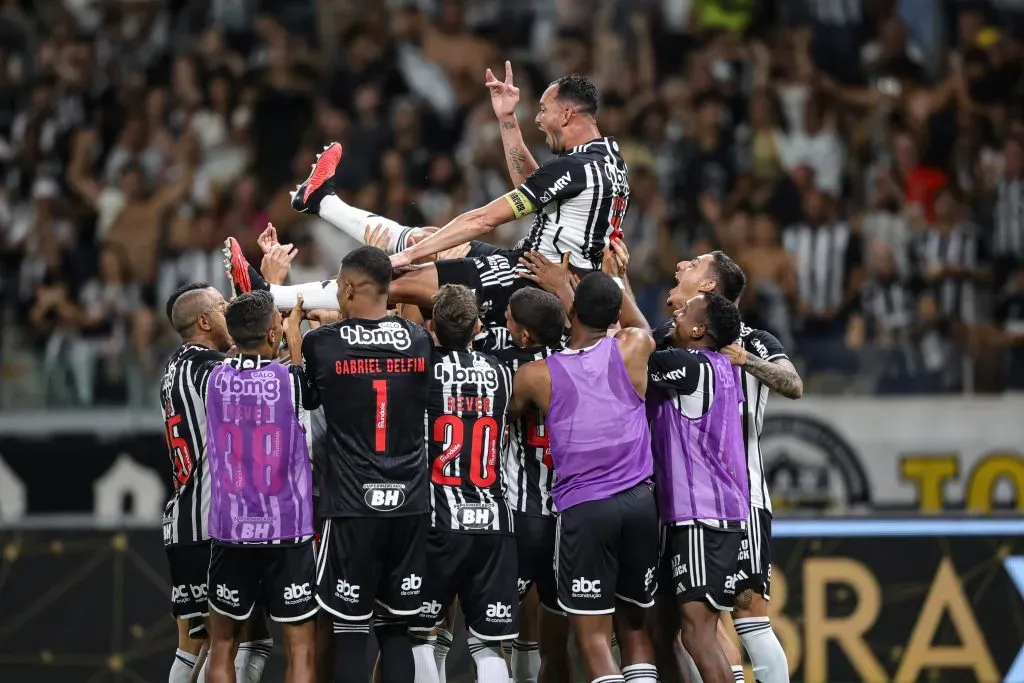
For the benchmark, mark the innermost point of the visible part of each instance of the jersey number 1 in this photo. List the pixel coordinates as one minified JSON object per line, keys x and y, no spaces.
{"x":450,"y":432}
{"x":380,"y":415}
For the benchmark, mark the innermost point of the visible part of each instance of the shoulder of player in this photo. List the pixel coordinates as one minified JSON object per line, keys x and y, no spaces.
{"x":202,"y":354}
{"x":762,"y":343}
{"x":634,"y":338}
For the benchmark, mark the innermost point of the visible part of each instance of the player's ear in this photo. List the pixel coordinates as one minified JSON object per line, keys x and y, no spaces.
{"x":203,"y":323}
{"x":477,"y":327}
{"x":698,"y":330}
{"x":707,"y":286}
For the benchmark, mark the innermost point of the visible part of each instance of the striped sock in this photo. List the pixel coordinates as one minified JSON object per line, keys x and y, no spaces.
{"x":613,"y":678}
{"x":251,"y":660}
{"x":737,"y":673}
{"x":423,"y":657}
{"x":181,"y":667}
{"x":640,"y":673}
{"x":525,"y":661}
{"x":763,"y":648}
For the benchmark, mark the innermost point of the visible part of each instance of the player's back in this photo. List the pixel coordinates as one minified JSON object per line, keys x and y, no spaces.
{"x":600,"y":443}
{"x":182,"y":391}
{"x":469,"y":396}
{"x":371,"y":377}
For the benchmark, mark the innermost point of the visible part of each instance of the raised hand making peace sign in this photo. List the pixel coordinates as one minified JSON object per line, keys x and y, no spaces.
{"x":504,"y":95}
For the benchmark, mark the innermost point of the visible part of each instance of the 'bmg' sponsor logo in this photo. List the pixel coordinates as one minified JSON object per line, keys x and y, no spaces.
{"x":261,"y":383}
{"x":385,"y":334}
{"x":448,"y":374}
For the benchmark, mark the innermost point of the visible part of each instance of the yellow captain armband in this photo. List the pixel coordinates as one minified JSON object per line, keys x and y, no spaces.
{"x":520,"y":203}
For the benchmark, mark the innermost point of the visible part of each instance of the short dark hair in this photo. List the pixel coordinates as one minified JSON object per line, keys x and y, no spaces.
{"x":729,"y":277}
{"x":723,"y":319}
{"x":455,"y":314}
{"x":541,"y":313}
{"x":249,"y":316}
{"x":598,"y":301}
{"x":372,"y":262}
{"x":176,"y":294}
{"x":579,"y":91}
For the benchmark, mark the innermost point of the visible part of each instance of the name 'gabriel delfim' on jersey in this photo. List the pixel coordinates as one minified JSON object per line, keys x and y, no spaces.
{"x":580,"y":198}
{"x":371,"y":377}
{"x":469,"y":396}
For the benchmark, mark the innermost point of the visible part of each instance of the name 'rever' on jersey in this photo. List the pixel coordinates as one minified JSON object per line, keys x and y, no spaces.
{"x":529,"y":471}
{"x":469,"y":396}
{"x":371,"y":378}
{"x":183,"y":404}
{"x":580,"y":198}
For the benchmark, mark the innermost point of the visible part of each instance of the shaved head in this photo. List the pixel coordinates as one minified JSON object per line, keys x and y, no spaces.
{"x":190,"y":305}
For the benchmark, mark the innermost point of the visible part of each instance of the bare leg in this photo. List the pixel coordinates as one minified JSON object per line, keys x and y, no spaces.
{"x":663,"y":627}
{"x":225,"y":633}
{"x":555,"y":665}
{"x":637,"y":653}
{"x":300,"y":647}
{"x":750,"y":619}
{"x":593,"y":634}
{"x":700,"y":638}
{"x":324,"y":648}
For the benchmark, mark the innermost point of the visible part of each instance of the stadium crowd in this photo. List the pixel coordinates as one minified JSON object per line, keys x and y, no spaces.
{"x":862,"y":159}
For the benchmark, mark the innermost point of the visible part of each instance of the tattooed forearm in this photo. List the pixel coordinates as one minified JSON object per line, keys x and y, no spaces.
{"x":509,"y":125}
{"x":517,"y":159}
{"x":780,"y":376}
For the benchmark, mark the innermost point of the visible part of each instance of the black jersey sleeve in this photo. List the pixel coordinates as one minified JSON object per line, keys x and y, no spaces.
{"x":492,"y":340}
{"x":662,"y":332}
{"x":307,"y":396}
{"x":676,"y":369}
{"x":763,"y":344}
{"x":560,"y":179}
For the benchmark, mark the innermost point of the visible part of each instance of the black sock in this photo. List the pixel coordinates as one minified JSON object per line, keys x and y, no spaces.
{"x":350,"y":661}
{"x":396,"y":662}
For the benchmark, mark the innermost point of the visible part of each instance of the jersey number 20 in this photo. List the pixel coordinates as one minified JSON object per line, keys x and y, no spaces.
{"x":450,"y":432}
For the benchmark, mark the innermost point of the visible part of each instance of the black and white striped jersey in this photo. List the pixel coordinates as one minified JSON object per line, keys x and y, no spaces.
{"x":580,"y":198}
{"x":529,"y":472}
{"x":767,"y":347}
{"x":954,"y":253}
{"x":825,"y":256}
{"x":183,"y":403}
{"x":468,"y":396}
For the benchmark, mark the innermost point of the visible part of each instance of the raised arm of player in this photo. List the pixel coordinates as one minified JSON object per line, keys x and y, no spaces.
{"x":636,"y":347}
{"x":531,"y":386}
{"x":615,"y":263}
{"x":504,"y":99}
{"x":763,"y":356}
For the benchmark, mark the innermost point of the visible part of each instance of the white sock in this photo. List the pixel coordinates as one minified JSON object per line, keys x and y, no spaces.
{"x":764,"y":649}
{"x":737,"y":672}
{"x":182,"y":667}
{"x":640,"y":673}
{"x":490,"y":665}
{"x":353,"y":221}
{"x":525,"y":661}
{"x":202,"y":671}
{"x":423,"y":659}
{"x":614,"y":678}
{"x":251,"y":659}
{"x":315,"y":295}
{"x":441,"y":648}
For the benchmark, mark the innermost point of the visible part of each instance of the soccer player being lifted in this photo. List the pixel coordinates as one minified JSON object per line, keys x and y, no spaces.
{"x":579,"y":199}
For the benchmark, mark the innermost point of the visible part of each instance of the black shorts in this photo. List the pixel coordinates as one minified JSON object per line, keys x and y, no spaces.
{"x":700,"y":563}
{"x":493,"y":278}
{"x":755,"y":560}
{"x":371,"y":561}
{"x":535,"y":545}
{"x":481,"y":570}
{"x":189,"y":566}
{"x":608,"y":550}
{"x":278,"y":575}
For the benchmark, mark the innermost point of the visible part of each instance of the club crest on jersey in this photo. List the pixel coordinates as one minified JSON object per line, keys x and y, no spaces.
{"x":386,"y":333}
{"x":474,"y":515}
{"x":262,"y":383}
{"x":384,"y":497}
{"x":484,"y":374}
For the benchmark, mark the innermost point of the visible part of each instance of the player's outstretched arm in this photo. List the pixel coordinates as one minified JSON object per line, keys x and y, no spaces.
{"x":467,"y":227}
{"x":293,"y":332}
{"x":779,"y":374}
{"x":504,"y":99}
{"x":615,"y":263}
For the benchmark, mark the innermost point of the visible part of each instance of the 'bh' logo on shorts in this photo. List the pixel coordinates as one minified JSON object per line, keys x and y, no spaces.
{"x":384,"y":497}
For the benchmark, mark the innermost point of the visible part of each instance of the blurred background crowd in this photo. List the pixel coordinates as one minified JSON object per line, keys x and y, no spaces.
{"x":862,"y":159}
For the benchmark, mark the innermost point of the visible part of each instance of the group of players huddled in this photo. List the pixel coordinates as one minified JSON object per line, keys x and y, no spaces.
{"x":464,"y":427}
